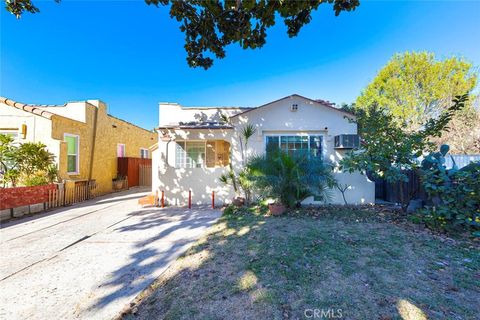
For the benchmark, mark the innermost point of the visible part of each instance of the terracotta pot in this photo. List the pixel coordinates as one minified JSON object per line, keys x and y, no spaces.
{"x":238,"y":201}
{"x":276,"y":209}
{"x":117,"y":184}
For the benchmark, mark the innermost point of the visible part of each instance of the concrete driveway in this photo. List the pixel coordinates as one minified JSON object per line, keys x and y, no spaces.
{"x":90,"y":260}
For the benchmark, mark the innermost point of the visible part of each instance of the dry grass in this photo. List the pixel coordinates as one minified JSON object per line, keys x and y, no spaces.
{"x":364,"y":264}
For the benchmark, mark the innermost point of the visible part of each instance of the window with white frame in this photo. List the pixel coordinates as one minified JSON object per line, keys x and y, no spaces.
{"x":143,"y":153}
{"x":190,"y":154}
{"x":73,"y":145}
{"x":296,"y":145}
{"x":120,"y":150}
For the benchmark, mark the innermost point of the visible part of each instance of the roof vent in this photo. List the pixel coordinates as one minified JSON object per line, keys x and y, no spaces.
{"x":294,"y":107}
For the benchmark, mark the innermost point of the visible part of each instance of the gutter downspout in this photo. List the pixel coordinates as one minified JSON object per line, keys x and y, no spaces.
{"x":94,"y":138}
{"x":166,"y":147}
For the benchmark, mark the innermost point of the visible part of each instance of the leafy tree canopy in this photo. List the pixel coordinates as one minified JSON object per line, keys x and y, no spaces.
{"x":25,"y":162}
{"x":388,"y":149}
{"x":210,"y":26}
{"x":415,"y":87}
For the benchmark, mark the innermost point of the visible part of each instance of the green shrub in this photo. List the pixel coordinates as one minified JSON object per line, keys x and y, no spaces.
{"x":25,"y":163}
{"x":229,"y":210}
{"x":35,"y":180}
{"x":290,"y":180}
{"x":454,"y":195}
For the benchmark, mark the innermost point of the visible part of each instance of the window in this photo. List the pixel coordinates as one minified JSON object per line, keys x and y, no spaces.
{"x":72,"y":153}
{"x":143,"y":153}
{"x":304,"y":145}
{"x":120,"y":150}
{"x":11,"y":133}
{"x":190,"y":154}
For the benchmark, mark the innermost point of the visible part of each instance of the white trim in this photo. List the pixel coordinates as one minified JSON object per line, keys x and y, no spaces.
{"x":297,"y":134}
{"x":124,"y":150}
{"x":144,"y":151}
{"x":184,"y":142}
{"x":77,"y":165}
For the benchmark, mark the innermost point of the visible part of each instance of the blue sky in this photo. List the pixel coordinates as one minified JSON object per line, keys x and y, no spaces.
{"x":131,"y":55}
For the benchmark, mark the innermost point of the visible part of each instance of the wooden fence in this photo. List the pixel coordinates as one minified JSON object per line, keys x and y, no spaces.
{"x":145,"y":175}
{"x":401,"y":191}
{"x":413,"y":189}
{"x":70,"y":194}
{"x":130,"y":167}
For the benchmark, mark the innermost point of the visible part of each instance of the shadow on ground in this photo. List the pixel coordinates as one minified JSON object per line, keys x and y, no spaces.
{"x":254,"y":267}
{"x":151,"y":255}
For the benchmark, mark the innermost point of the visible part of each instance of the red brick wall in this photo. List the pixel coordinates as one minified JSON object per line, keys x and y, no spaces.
{"x":22,"y":196}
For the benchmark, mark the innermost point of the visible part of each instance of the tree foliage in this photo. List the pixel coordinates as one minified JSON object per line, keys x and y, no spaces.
{"x":387,"y":149}
{"x":210,"y":26}
{"x":30,"y":163}
{"x":415,"y":87}
{"x":464,"y":134}
{"x":454,"y":195}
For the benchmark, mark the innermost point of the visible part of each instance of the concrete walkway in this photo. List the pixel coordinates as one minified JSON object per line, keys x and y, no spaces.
{"x":90,"y":260}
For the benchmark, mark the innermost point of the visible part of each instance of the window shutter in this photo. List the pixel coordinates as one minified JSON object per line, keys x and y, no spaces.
{"x":210,"y":154}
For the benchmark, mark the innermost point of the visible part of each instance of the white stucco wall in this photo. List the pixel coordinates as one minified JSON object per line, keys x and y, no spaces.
{"x":273,"y":119}
{"x":39,"y":129}
{"x":73,"y":110}
{"x":177,"y":182}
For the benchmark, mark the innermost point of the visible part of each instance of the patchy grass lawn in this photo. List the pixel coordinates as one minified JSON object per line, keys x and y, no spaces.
{"x":345,"y":262}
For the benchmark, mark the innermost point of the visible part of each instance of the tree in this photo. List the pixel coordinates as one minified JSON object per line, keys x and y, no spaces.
{"x":30,"y":162}
{"x":464,"y":134}
{"x":242,"y":179}
{"x":415,"y":87}
{"x":388,"y":149}
{"x":8,"y":160}
{"x":210,"y":26}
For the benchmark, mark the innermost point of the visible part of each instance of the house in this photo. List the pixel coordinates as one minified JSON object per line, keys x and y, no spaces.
{"x":195,"y":147}
{"x":85,"y":140}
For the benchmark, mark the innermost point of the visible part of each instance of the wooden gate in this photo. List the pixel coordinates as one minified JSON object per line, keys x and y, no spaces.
{"x":145,"y":175}
{"x":130,"y":167}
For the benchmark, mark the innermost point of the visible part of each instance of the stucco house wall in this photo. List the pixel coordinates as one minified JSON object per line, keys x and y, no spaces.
{"x":38,"y":128}
{"x":97,"y":146}
{"x":275,"y":118}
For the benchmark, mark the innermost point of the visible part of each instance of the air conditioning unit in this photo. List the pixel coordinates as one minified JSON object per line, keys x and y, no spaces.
{"x":347,"y":141}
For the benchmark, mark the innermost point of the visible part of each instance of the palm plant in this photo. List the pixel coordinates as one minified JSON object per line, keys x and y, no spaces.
{"x":289,"y":179}
{"x":245,"y":134}
{"x":240,"y":181}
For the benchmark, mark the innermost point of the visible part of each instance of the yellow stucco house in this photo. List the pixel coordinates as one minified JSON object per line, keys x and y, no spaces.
{"x":85,"y":140}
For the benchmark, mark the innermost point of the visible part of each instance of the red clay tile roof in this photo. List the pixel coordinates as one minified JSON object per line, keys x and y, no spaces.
{"x":28,"y":108}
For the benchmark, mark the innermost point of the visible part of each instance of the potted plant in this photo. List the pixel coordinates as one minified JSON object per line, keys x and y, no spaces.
{"x":118,"y":182}
{"x":276,"y":208}
{"x":238,"y":201}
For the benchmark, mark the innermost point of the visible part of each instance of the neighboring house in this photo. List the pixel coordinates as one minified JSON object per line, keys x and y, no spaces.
{"x":195,"y":147}
{"x":82,"y":136}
